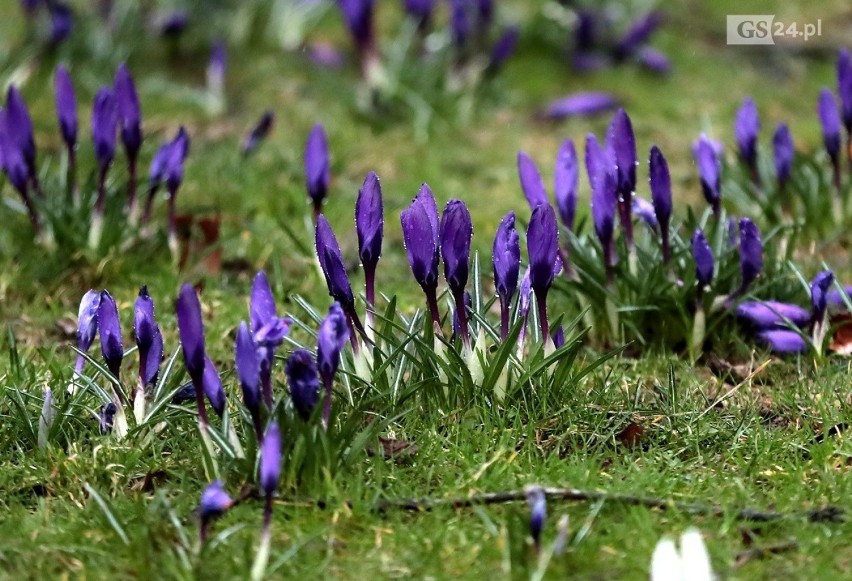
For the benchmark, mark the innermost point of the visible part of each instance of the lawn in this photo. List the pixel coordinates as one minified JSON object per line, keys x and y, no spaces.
{"x":659,"y":431}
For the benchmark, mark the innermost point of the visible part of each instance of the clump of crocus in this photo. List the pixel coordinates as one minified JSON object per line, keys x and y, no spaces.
{"x":369,"y":224}
{"x":213,"y":504}
{"x":191,"y":331}
{"x":331,"y":262}
{"x":604,"y":201}
{"x":130,"y":121}
{"x":303,"y":379}
{"x":692,"y":561}
{"x":149,"y":341}
{"x":422,"y":237}
{"x":248,"y":371}
{"x":66,"y":113}
{"x":661,"y":196}
{"x":269,"y":474}
{"x":746,"y":130}
{"x":104,"y":127}
{"x":829,"y":119}
{"x":331,"y":338}
{"x":456,"y":234}
{"x":784,"y":152}
{"x":704,"y":266}
{"x":537,"y":502}
{"x":87,"y":326}
{"x":710,"y":172}
{"x":268,"y":330}
{"x":543,"y":250}
{"x":258,"y":133}
{"x":506,"y":258}
{"x":317,"y":167}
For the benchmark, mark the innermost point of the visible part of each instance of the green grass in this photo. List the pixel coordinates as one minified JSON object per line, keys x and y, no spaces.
{"x":761,"y":447}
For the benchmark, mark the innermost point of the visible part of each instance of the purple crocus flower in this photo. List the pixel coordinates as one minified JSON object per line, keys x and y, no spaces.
{"x":66,"y":107}
{"x":751,"y":253}
{"x":844,"y":87}
{"x":248,"y":371}
{"x":213,"y":504}
{"x":621,"y":144}
{"x":369,"y":224}
{"x":212,"y":387}
{"x":109,"y":329}
{"x":784,"y":150}
{"x":819,"y":288}
{"x":104,"y":124}
{"x":129,"y":113}
{"x":456,"y":233}
{"x":771,"y":314}
{"x":15,"y":167}
{"x":653,"y":60}
{"x":331,"y":261}
{"x":217,"y":67}
{"x":585,"y":104}
{"x":558,"y":337}
{"x":531,"y":182}
{"x":317,"y":167}
{"x":565,"y":178}
{"x":172,"y":24}
{"x":503,"y":49}
{"x":303,"y":379}
{"x":460,"y":26}
{"x":331,"y":338}
{"x":268,"y":331}
{"x":358,"y":15}
{"x":661,"y":196}
{"x":638,"y":33}
{"x":191,"y":331}
{"x":644,"y":210}
{"x":258,"y":133}
{"x":87,"y":325}
{"x":709,"y":169}
{"x":746,"y":129}
{"x":829,"y":118}
{"x":506,"y":258}
{"x":835,"y":298}
{"x":149,"y":340}
{"x":704,"y":261}
{"x":421,"y":235}
{"x":173,"y":166}
{"x":270,"y":460}
{"x":543,"y":250}
{"x":537,"y":501}
{"x":19,"y":126}
{"x":420,"y":10}
{"x":782,"y":341}
{"x":155,"y":178}
{"x":603,"y":181}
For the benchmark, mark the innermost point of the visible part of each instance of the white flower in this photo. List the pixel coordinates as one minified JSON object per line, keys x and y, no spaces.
{"x":692,"y":563}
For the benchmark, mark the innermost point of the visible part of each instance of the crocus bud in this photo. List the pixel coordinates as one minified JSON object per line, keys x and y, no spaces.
{"x":704,"y":262}
{"x":270,"y":460}
{"x":751,"y":253}
{"x":746,"y":129}
{"x":506,"y":258}
{"x":537,"y":501}
{"x":13,"y":162}
{"x":558,"y":337}
{"x":829,"y":118}
{"x":173,"y":24}
{"x":317,"y":166}
{"x":760,"y":315}
{"x":421,"y":235}
{"x":261,"y":303}
{"x":459,"y":22}
{"x":456,"y":234}
{"x":61,"y":22}
{"x":566,"y":175}
{"x":709,"y":169}
{"x":331,"y":260}
{"x":191,"y":331}
{"x":603,"y":181}
{"x":819,"y":288}
{"x":531,"y":182}
{"x":369,"y":221}
{"x":109,"y":329}
{"x":66,"y":106}
{"x":653,"y":60}
{"x":258,"y":133}
{"x":844,"y":86}
{"x":543,"y":250}
{"x":174,"y":161}
{"x":212,"y":386}
{"x":782,"y":341}
{"x":644,"y":210}
{"x":158,"y":166}
{"x":248,"y":371}
{"x":87,"y":325}
{"x":784,"y":150}
{"x":19,"y":126}
{"x":129,"y":111}
{"x":583,"y":104}
{"x":331,"y":338}
{"x":661,"y":195}
{"x":148,"y":338}
{"x":622,"y":144}
{"x":214,"y":501}
{"x":503,"y":48}
{"x":303,"y":379}
{"x":104,"y":123}
{"x":358,"y":15}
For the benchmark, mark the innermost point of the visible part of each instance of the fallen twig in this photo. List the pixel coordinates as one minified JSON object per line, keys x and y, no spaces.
{"x":762,"y":552}
{"x":828,"y":513}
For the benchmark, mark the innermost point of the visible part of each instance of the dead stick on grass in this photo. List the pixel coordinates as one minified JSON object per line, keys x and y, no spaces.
{"x":826,"y":514}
